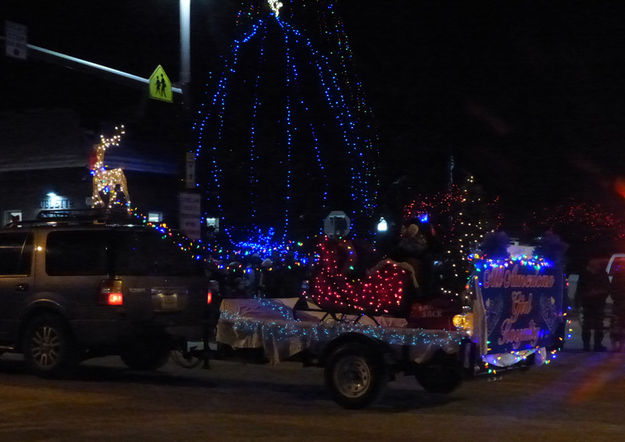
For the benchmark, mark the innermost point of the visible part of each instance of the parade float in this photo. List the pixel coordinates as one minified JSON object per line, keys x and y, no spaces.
{"x":363,"y":322}
{"x":363,"y":332}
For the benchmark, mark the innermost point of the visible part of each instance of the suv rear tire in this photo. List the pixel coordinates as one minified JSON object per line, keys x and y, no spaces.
{"x":145,"y":354}
{"x":49,"y":347}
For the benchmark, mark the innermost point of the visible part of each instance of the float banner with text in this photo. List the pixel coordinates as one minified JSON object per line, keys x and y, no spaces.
{"x":523,"y":306}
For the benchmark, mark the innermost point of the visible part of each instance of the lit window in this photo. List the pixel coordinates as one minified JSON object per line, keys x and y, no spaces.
{"x":11,"y":216}
{"x":213,"y":222}
{"x":382,"y":225}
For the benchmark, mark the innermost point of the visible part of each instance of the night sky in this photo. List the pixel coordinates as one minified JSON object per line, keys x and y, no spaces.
{"x":527,"y":96}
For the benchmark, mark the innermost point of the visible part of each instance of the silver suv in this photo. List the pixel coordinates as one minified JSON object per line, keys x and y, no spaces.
{"x":72,"y":290}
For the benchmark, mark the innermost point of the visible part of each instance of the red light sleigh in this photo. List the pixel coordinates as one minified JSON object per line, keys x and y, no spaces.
{"x":388,"y":288}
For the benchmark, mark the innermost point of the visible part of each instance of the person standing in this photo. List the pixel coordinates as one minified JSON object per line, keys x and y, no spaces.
{"x":594,"y":286}
{"x":617,"y":293}
{"x":412,"y":249}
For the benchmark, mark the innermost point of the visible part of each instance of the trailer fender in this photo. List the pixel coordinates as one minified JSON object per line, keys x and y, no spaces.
{"x":378,"y":347}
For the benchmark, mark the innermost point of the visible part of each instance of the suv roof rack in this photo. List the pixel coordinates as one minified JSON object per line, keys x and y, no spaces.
{"x":78,"y":216}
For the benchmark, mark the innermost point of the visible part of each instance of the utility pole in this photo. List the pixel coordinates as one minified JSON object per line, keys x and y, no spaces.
{"x":185,"y":47}
{"x":452,"y":165}
{"x":39,"y":53}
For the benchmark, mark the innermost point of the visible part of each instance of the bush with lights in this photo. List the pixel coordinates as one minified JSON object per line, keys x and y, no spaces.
{"x":589,"y":228}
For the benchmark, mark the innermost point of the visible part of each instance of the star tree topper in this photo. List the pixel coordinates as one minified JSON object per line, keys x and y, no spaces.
{"x":275,"y":6}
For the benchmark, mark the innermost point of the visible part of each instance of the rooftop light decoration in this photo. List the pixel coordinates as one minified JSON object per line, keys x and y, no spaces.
{"x":109,"y":185}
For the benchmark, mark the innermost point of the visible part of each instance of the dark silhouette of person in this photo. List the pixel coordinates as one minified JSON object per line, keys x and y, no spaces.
{"x":105,"y":196}
{"x":162,"y":87}
{"x":617,"y":323}
{"x":412,"y":249}
{"x":594,"y":286}
{"x":120,"y":196}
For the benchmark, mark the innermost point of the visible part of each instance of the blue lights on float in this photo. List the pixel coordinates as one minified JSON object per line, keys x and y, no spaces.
{"x":285,"y":326}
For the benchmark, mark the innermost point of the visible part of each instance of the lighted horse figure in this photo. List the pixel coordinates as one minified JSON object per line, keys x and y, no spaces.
{"x":109,"y":186}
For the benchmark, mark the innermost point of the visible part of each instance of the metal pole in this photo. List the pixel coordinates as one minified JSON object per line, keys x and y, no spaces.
{"x":185,"y":42}
{"x":54,"y":56}
{"x":452,"y":165}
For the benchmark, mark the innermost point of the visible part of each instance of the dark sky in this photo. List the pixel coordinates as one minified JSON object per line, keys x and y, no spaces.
{"x":527,"y":96}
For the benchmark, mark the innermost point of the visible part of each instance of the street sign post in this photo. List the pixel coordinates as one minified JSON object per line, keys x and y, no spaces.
{"x":190,"y":208}
{"x":160,"y":85}
{"x":189,"y":179}
{"x":336,"y":224}
{"x":16,"y":40}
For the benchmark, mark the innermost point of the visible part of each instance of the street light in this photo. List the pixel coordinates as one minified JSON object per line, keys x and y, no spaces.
{"x":382,"y":225}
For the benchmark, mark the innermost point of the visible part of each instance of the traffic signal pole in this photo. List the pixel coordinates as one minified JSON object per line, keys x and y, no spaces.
{"x":69,"y":61}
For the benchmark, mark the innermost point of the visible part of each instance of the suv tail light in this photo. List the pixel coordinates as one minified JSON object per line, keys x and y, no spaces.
{"x":213,"y":289}
{"x":111,"y":292}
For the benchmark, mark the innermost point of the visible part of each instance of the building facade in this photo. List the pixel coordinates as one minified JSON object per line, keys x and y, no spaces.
{"x":44,"y":165}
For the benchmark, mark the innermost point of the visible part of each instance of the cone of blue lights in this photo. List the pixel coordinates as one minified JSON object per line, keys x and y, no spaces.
{"x":285,"y":134}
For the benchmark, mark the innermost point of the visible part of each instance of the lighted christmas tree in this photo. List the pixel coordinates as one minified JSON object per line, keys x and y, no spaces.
{"x":458,"y":218}
{"x":286,"y":135}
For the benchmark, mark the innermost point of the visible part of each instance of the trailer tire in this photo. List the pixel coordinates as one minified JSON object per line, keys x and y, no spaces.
{"x":145,"y":354}
{"x":184,"y":359}
{"x":355,"y":375}
{"x":439,"y":377}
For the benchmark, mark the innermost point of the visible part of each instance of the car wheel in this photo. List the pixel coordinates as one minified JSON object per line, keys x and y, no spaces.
{"x":49,"y":347}
{"x":354,"y":375}
{"x":145,"y":355}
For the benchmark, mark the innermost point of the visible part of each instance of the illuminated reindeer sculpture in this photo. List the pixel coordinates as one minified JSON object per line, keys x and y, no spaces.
{"x":109,"y":186}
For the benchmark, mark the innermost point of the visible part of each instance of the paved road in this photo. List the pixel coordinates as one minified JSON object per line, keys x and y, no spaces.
{"x":581,"y":396}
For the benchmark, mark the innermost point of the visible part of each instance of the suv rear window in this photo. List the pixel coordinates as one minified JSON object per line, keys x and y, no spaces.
{"x":117,"y":252}
{"x":83,"y":252}
{"x":16,"y":250}
{"x":146,"y":253}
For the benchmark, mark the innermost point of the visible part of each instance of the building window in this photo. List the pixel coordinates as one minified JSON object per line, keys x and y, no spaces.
{"x":213,"y":222}
{"x":155,"y":217}
{"x":52,"y":201}
{"x":12,"y":216}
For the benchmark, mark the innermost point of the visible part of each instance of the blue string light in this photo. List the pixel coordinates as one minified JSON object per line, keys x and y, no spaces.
{"x":359,"y":147}
{"x":284,"y":326}
{"x":253,"y":154}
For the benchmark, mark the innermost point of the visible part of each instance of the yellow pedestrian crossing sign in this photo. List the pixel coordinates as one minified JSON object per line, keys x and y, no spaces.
{"x":160,"y":86}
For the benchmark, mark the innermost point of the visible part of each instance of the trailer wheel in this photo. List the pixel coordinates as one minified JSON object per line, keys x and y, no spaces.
{"x":145,"y":354}
{"x":355,"y":375}
{"x":439,"y":377}
{"x":184,"y":359}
